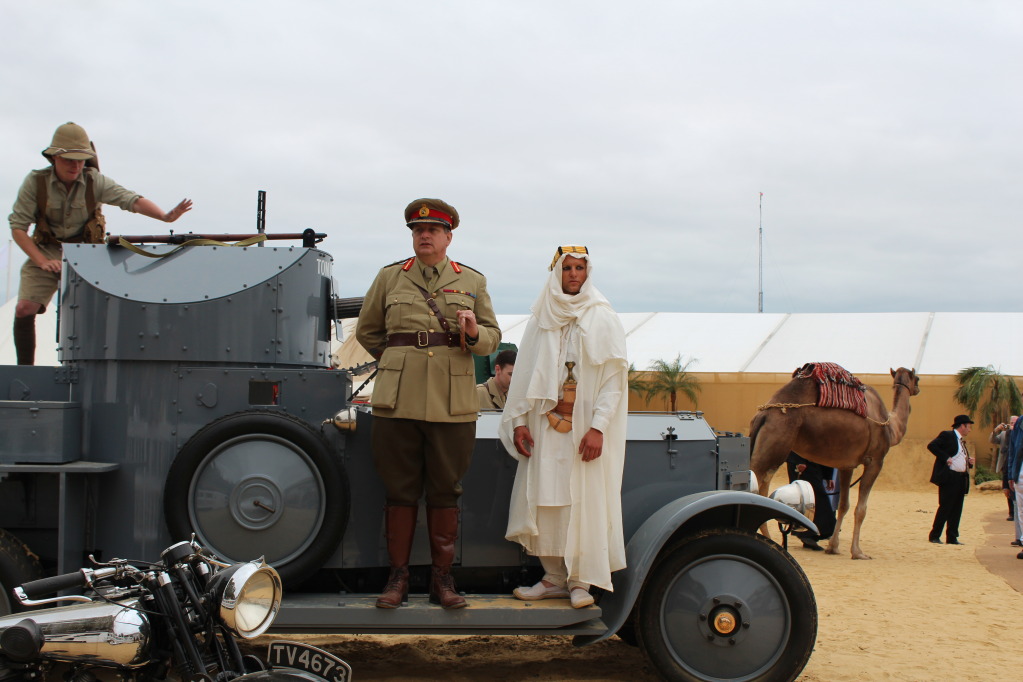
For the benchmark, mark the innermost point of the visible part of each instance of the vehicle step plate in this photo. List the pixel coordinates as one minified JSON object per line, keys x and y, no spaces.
{"x":486,"y":613}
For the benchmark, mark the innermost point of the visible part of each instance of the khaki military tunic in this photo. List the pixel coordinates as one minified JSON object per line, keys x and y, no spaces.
{"x":66,"y":212}
{"x":435,"y":384}
{"x":490,"y":396}
{"x":66,"y":215}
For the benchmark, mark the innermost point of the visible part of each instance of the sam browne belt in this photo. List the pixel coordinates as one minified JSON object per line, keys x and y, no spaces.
{"x":423,"y":339}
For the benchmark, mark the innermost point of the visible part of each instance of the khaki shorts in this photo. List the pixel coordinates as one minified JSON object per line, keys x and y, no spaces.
{"x":38,"y":285}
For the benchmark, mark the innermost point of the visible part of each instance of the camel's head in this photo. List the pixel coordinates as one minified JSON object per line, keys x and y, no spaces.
{"x":908,"y":378}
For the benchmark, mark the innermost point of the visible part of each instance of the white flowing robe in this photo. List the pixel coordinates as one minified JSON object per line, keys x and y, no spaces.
{"x":595,"y":545}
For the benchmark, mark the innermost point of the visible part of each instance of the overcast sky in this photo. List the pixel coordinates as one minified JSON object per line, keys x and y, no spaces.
{"x":887,"y":137}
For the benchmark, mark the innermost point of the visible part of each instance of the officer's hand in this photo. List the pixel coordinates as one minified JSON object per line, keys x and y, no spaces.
{"x":51,"y":266}
{"x":523,"y":440}
{"x":181,"y":209}
{"x":467,"y":323}
{"x":591,"y":445}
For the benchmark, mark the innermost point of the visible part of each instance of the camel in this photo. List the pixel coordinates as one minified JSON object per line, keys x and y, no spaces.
{"x":832,"y":437}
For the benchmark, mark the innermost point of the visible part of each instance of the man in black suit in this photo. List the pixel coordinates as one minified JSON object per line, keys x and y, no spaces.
{"x":951,"y":473}
{"x":823,"y":513}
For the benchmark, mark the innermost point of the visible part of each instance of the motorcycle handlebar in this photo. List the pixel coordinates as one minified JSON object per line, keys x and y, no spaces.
{"x":45,"y":586}
{"x":81,"y":578}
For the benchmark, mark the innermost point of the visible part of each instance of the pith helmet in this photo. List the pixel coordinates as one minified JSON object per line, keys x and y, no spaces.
{"x":431,"y":211}
{"x":70,"y":141}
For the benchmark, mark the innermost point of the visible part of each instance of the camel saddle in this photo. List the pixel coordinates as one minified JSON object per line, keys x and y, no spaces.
{"x":836,"y":387}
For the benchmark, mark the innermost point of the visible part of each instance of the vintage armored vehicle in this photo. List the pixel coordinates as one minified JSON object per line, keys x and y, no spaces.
{"x":195,"y":394}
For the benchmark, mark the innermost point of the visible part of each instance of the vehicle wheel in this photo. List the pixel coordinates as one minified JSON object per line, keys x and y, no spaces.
{"x":727,"y":605}
{"x":18,"y":565}
{"x":259,"y":483}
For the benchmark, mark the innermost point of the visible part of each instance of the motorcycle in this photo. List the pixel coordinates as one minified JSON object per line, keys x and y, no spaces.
{"x":179,"y":618}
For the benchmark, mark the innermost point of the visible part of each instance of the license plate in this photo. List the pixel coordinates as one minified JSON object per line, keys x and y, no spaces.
{"x":310,"y":659}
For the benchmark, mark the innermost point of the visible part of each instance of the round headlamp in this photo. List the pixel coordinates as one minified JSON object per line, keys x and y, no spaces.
{"x":249,"y":597}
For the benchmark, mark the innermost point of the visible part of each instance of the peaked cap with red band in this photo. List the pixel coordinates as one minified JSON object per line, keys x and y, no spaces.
{"x":431,"y":211}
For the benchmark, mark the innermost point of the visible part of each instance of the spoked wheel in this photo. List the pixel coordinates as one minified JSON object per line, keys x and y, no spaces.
{"x":257,"y":484}
{"x":18,"y":565}
{"x":728,"y":606}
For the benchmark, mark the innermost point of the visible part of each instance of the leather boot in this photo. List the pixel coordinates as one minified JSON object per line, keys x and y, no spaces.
{"x":401,"y":529}
{"x":25,"y":339}
{"x":443,"y":526}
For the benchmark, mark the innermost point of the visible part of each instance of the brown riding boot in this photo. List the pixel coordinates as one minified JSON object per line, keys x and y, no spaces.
{"x":443,"y":525}
{"x":401,"y":528}
{"x":25,"y":339}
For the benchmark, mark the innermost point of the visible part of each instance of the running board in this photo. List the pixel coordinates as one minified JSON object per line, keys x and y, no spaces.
{"x":486,"y":614}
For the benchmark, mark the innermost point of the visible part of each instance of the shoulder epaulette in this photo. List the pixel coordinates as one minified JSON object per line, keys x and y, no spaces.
{"x":458,"y":266}
{"x":405,"y":263}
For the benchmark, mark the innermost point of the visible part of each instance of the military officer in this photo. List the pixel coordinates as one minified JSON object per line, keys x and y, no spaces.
{"x":63,"y":203}
{"x":493,"y":392}
{"x":423,"y":319}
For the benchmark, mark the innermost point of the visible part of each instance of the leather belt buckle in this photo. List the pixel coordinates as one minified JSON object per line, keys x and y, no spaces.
{"x":422,"y":339}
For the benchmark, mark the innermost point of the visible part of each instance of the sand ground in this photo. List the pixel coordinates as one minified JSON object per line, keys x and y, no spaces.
{"x":916,"y":611}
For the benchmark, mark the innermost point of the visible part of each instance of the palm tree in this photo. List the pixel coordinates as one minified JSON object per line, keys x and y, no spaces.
{"x":988,"y":394}
{"x":671,"y":378}
{"x":636,"y":383}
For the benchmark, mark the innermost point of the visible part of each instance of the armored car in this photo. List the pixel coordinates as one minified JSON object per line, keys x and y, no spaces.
{"x":195,"y":394}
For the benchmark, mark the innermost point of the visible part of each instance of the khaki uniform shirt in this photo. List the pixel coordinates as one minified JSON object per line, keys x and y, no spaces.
{"x":436,"y":384}
{"x":490,"y":395}
{"x":66,"y":210}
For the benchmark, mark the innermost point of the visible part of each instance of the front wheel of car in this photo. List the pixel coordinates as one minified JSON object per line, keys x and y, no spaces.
{"x":727,"y":605}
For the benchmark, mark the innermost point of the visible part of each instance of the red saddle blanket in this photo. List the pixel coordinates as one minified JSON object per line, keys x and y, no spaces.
{"x":836,"y":386}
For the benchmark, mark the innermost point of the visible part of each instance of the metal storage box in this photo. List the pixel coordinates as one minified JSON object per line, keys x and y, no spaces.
{"x":40,"y":431}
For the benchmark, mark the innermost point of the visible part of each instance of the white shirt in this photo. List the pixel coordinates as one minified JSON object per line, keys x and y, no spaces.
{"x":958,"y":462}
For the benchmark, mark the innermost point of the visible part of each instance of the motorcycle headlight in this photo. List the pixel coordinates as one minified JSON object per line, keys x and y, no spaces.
{"x":249,"y":597}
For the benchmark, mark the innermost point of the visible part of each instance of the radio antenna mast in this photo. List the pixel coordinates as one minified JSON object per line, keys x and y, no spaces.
{"x":760,"y":259}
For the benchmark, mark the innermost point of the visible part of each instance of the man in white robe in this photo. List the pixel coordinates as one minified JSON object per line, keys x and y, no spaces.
{"x":566,"y":499}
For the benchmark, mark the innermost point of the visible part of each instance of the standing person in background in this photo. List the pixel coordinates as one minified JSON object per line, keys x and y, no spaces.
{"x":493,"y":392}
{"x":823,"y":512}
{"x":951,"y":473}
{"x":63,"y":201}
{"x":423,"y":319}
{"x":1014,"y":471}
{"x":1000,"y":436}
{"x":565,"y":420}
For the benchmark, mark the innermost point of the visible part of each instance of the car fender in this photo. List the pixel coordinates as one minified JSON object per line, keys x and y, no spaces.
{"x":679,"y":518}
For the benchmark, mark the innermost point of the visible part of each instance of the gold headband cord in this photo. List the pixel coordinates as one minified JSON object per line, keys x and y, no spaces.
{"x":562,"y":250}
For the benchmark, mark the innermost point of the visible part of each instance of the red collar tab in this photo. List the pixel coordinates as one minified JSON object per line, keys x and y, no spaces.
{"x":408,"y":264}
{"x":456,"y":267}
{"x":425,"y":212}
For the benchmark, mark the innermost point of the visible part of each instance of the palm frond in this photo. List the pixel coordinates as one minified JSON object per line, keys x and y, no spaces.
{"x":669,"y":378}
{"x":987,"y":394}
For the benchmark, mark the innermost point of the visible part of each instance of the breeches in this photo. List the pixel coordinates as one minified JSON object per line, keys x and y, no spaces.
{"x":38,"y":285}
{"x":412,"y":456}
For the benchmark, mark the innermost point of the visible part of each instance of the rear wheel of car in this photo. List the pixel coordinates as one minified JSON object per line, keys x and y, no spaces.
{"x":260,"y":483}
{"x":18,"y":565}
{"x":727,"y":605}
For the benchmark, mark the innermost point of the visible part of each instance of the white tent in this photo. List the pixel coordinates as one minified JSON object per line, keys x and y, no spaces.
{"x":863,"y":343}
{"x":46,"y":334}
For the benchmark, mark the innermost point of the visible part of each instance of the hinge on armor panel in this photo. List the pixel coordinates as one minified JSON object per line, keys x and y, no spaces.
{"x":671,"y":437}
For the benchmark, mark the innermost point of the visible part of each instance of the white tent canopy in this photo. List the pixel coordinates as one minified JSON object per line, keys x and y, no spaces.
{"x":863,"y":343}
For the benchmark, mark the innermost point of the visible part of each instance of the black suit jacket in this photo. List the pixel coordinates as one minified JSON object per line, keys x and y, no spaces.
{"x":943,"y":447}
